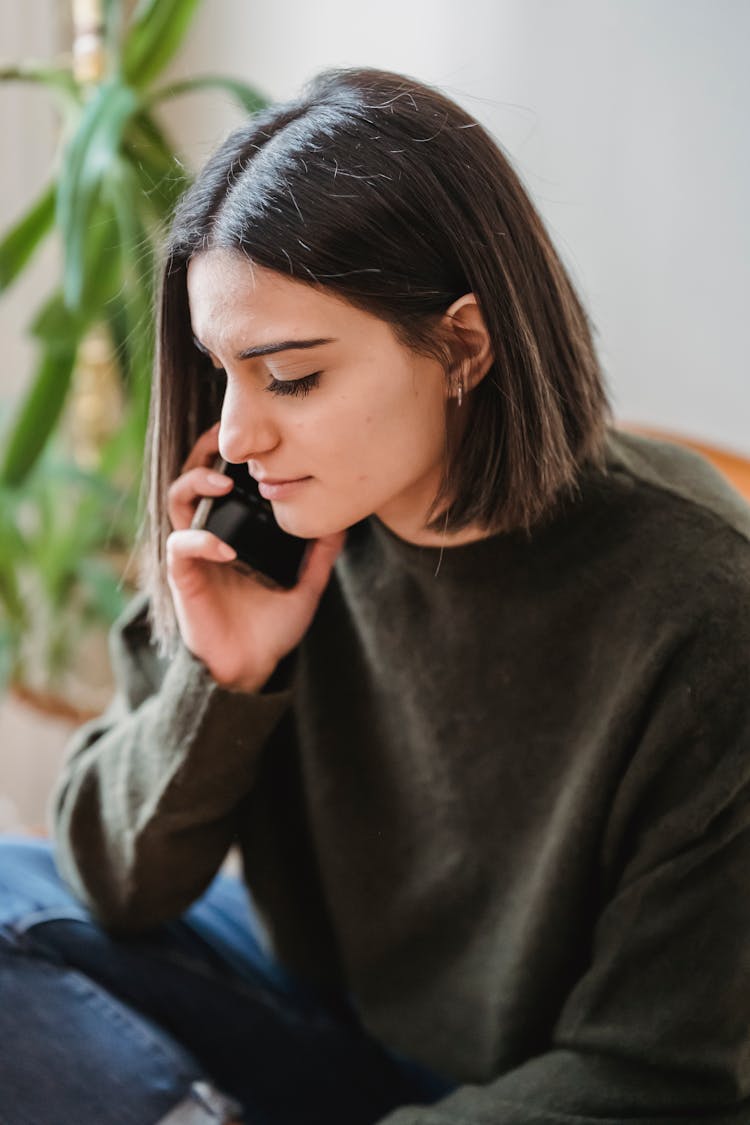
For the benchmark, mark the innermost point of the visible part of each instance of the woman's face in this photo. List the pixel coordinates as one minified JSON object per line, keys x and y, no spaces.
{"x":367,"y":434}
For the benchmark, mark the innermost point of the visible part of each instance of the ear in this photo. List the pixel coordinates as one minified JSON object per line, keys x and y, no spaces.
{"x":469,"y":342}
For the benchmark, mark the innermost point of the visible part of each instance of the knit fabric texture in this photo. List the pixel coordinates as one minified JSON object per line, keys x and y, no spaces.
{"x":498,"y":795}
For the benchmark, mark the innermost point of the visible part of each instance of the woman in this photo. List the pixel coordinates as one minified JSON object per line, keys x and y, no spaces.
{"x":486,"y":764}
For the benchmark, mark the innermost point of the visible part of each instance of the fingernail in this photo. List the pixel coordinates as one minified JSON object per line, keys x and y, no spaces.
{"x":227,"y":552}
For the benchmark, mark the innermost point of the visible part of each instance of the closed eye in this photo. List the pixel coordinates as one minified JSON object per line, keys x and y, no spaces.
{"x":301,"y":386}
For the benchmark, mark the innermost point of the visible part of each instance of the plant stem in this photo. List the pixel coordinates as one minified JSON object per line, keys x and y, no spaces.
{"x":89,"y":55}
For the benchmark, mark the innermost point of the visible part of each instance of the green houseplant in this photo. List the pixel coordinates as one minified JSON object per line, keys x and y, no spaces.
{"x":115,"y":181}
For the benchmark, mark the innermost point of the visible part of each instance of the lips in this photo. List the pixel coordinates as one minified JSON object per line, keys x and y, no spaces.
{"x":278,"y":480}
{"x":271,"y":490}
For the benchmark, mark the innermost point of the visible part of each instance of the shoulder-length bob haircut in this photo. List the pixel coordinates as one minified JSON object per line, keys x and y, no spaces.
{"x":385,"y":192}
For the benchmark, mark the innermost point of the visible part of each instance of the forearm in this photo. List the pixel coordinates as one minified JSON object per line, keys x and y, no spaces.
{"x":146,"y":806}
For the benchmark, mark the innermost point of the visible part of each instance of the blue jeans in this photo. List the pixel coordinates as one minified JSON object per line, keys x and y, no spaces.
{"x":127,"y":1031}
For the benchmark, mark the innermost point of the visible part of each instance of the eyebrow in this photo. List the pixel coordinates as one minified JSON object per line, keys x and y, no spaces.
{"x":270,"y":349}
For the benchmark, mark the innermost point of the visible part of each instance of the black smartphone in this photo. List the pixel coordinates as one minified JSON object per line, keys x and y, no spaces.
{"x":245,"y":520}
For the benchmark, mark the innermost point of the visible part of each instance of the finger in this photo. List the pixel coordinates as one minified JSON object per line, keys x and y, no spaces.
{"x":185,"y":548}
{"x":184,"y":493}
{"x":319,"y":562}
{"x":205,"y":449}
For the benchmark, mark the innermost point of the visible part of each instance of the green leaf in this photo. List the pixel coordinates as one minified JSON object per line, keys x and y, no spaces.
{"x":22,"y":240}
{"x":10,"y":594}
{"x":122,"y":458}
{"x":137,"y":288}
{"x":114,"y":23}
{"x":58,"y":80}
{"x":13,"y":553}
{"x":14,"y":544}
{"x":102,"y":261}
{"x":8,"y":645}
{"x":156,"y":32}
{"x":117,"y":323}
{"x":161,"y":175}
{"x":86,"y":163}
{"x":248,"y":97}
{"x":59,"y":328}
{"x":104,"y":587}
{"x":39,"y":412}
{"x":136,"y":251}
{"x":54,"y":324}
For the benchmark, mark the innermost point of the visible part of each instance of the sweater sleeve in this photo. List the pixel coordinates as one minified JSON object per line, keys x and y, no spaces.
{"x":657,"y":1026}
{"x":146,"y":805}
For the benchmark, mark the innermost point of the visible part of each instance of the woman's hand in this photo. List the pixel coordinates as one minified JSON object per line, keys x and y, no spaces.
{"x":238,"y":627}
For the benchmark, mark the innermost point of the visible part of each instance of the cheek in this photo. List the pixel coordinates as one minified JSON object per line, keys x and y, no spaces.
{"x":344,"y":424}
{"x":393,"y":423}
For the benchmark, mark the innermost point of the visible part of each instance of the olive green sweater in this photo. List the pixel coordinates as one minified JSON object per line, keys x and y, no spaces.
{"x":501,"y":797}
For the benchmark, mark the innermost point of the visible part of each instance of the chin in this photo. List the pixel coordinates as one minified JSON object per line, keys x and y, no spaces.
{"x":306,"y":525}
{"x":300,"y":524}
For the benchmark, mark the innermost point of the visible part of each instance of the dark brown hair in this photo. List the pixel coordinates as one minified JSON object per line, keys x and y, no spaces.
{"x":385,"y":192}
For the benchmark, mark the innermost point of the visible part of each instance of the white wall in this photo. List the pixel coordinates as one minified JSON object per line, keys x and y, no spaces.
{"x":28,"y":128}
{"x":627,"y":120}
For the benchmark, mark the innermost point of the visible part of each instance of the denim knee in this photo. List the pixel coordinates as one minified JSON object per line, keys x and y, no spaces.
{"x":30,"y":887}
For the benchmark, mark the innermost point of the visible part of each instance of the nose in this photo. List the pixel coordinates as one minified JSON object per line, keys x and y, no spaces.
{"x":246,"y":430}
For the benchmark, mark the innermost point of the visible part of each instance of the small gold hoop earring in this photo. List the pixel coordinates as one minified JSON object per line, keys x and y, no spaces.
{"x":460,"y":391}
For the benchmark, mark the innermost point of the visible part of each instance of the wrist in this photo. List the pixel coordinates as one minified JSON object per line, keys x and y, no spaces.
{"x":247,"y":682}
{"x":251,"y":684}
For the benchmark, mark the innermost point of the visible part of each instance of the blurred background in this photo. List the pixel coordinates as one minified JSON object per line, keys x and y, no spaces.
{"x":626,"y":119}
